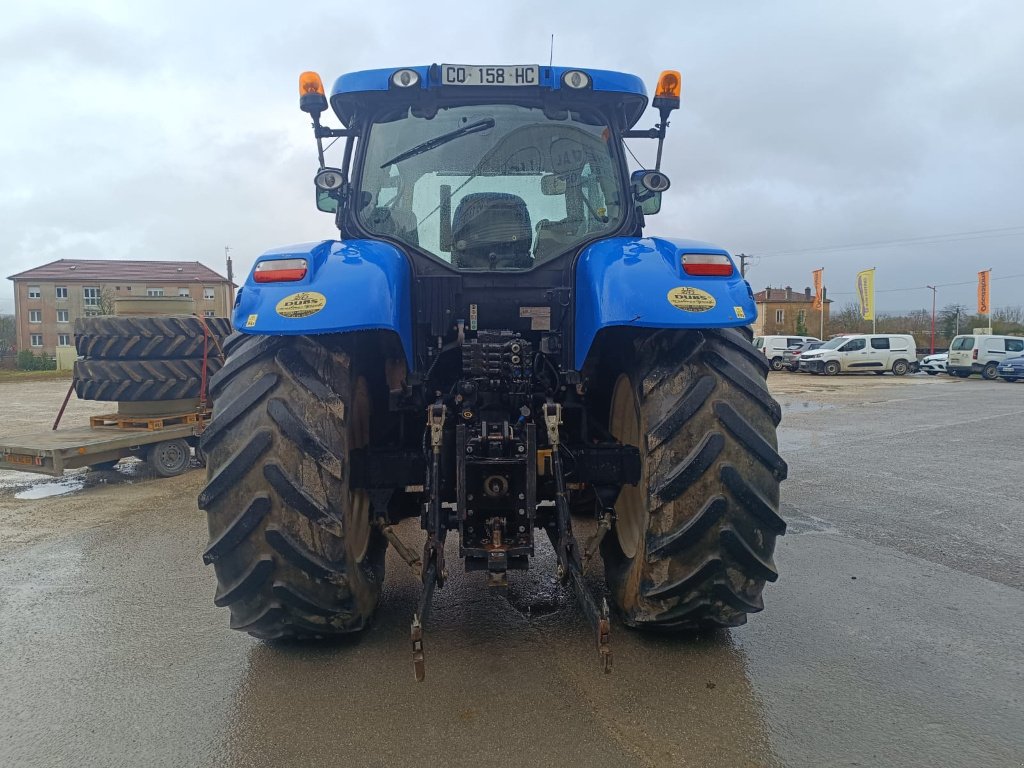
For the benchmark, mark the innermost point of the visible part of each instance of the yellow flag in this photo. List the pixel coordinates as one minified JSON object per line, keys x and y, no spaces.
{"x":818,"y":296}
{"x":866,"y":293}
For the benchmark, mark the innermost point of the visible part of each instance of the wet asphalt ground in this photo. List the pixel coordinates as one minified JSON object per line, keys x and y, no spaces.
{"x":895,"y":636}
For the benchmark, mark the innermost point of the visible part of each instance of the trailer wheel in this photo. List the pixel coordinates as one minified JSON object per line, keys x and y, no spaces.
{"x":292,"y":545}
{"x":692,"y":544}
{"x":170,"y":457}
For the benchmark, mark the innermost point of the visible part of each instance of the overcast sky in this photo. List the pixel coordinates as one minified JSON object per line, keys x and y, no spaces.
{"x":167,"y":130}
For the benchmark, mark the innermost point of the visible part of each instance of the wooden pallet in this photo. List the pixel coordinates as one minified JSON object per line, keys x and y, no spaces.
{"x":149,"y":423}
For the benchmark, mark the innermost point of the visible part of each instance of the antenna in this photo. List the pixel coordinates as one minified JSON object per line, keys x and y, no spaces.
{"x":227,"y":258}
{"x":551,"y":58}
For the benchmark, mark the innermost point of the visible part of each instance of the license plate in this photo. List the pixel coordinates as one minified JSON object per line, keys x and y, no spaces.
{"x":471,"y":74}
{"x":1007,"y":369}
{"x":20,"y":458}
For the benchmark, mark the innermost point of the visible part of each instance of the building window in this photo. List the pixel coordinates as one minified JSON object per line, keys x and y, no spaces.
{"x":91,"y":297}
{"x":35,"y":316}
{"x":36,"y":339}
{"x":154,"y":291}
{"x":184,"y":293}
{"x":63,"y":316}
{"x":780,"y":315}
{"x":62,"y":291}
{"x":801,"y":316}
{"x":208,"y":294}
{"x":34,"y":292}
{"x":63,"y":340}
{"x":208,"y":313}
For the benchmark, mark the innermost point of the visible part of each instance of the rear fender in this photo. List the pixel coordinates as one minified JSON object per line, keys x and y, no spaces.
{"x":639,"y":283}
{"x":353,"y":285}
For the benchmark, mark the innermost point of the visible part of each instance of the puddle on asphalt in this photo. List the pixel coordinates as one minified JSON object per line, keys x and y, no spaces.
{"x":28,"y":487}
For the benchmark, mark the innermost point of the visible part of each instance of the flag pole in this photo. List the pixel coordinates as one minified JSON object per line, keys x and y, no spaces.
{"x":873,"y":312}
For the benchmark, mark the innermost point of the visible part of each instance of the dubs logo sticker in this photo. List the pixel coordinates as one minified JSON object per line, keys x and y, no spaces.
{"x":301,"y":304}
{"x":691,"y":299}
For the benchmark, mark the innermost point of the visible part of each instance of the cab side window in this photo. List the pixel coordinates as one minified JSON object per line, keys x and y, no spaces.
{"x":853,"y":345}
{"x":1014,"y":345}
{"x":879,"y":343}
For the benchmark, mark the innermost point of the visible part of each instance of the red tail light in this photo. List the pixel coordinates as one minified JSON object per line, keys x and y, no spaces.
{"x":974,"y":355}
{"x":707,"y":264}
{"x":280,"y":271}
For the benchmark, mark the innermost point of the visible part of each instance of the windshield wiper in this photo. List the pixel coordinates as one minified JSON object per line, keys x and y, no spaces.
{"x":444,"y":138}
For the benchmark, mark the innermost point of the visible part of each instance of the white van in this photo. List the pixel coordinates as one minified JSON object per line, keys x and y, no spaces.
{"x":878,"y":352}
{"x":981,"y":354}
{"x":774,"y":347}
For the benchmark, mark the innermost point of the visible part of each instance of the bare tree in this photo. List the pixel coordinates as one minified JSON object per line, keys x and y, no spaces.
{"x":8,"y":339}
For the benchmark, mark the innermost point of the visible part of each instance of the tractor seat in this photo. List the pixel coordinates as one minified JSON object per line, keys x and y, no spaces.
{"x":491,"y":230}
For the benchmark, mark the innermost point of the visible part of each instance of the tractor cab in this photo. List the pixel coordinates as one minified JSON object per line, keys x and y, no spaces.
{"x":497,"y":168}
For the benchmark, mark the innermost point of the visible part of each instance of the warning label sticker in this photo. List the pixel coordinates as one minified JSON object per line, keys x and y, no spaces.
{"x":301,"y":304}
{"x":691,"y":299}
{"x":540,"y":317}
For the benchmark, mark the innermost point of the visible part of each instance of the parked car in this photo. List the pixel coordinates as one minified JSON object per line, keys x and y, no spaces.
{"x":877,"y":352}
{"x":1012,"y":369}
{"x":934,"y":364}
{"x":775,"y":347}
{"x":981,"y":354}
{"x":793,"y":353}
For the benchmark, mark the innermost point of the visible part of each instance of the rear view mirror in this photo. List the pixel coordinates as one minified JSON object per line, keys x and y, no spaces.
{"x":328,"y":183}
{"x":647,"y":189}
{"x":326,"y":201}
{"x":552,"y":185}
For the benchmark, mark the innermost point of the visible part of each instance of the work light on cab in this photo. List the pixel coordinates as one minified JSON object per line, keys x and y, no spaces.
{"x":279,"y":271}
{"x":576,"y":80}
{"x":707,"y":264}
{"x":405,"y":78}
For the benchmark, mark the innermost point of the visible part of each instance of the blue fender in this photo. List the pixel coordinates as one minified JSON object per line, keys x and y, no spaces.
{"x":352,"y":285}
{"x":640,"y":283}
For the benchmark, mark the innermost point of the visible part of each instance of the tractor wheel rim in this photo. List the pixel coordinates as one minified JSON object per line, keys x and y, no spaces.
{"x":357,"y":520}
{"x":631,"y":513}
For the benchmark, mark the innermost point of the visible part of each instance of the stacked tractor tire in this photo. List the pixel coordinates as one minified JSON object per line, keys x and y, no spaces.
{"x":134,"y":358}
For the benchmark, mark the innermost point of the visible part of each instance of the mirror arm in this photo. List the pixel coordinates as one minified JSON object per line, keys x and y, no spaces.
{"x":322,"y":132}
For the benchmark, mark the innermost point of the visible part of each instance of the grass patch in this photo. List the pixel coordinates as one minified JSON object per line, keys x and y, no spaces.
{"x":15,"y":376}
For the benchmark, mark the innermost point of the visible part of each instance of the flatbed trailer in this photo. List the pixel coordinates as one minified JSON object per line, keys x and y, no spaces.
{"x":165,"y":442}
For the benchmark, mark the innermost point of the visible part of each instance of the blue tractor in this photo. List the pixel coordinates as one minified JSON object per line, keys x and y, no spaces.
{"x":494,"y":347}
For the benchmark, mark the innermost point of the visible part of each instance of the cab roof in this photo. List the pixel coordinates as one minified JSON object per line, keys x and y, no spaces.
{"x":622,"y":87}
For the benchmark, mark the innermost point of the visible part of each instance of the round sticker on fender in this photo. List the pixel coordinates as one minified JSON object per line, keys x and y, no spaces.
{"x":301,"y":304}
{"x":691,"y":299}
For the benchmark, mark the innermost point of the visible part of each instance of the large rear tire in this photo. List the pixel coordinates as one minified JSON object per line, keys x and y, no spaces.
{"x":692,"y":544}
{"x":292,"y":545}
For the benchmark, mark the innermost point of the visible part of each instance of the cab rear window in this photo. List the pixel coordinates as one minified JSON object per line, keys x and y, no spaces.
{"x":964,"y":342}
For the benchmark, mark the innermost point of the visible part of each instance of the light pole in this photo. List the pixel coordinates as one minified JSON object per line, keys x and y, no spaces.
{"x":934,"y":290}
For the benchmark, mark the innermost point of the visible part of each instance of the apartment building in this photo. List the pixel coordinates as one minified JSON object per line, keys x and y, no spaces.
{"x":780,"y":311}
{"x":48,"y":299}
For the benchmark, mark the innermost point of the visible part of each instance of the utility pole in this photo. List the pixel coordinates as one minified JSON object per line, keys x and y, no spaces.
{"x":743,"y":263}
{"x":231,"y":281}
{"x":934,"y":290}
